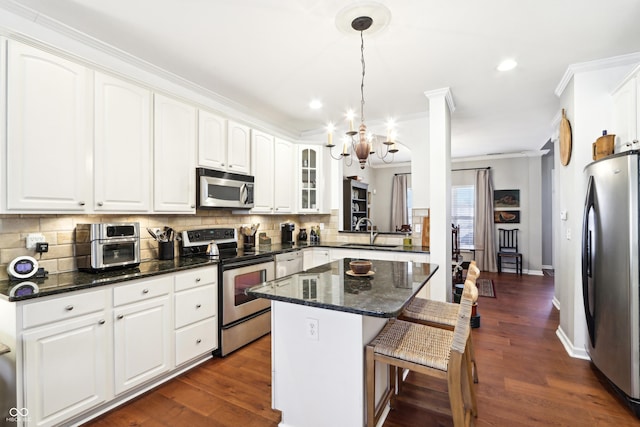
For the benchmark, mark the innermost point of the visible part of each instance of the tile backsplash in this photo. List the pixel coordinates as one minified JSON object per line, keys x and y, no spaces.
{"x":58,"y":231}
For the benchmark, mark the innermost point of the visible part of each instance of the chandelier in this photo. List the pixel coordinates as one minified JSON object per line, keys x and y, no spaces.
{"x":359,"y":142}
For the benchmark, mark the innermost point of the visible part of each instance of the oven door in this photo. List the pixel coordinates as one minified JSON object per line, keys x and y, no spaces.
{"x":236,"y":278}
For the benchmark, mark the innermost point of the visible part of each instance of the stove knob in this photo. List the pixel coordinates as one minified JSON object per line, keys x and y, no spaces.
{"x":197,"y":235}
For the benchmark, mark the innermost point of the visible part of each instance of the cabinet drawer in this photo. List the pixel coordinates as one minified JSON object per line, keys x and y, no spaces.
{"x":142,"y":290}
{"x":196,"y":277}
{"x":195,"y":304}
{"x":195,"y":340}
{"x":56,"y":309}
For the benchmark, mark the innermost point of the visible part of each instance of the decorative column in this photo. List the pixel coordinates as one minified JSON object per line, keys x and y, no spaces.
{"x":440,"y":108}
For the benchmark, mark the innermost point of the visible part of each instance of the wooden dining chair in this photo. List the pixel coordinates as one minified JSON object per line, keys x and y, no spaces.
{"x":508,"y":252}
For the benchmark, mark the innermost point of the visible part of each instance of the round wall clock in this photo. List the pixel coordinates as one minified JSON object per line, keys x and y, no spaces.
{"x":565,"y":140}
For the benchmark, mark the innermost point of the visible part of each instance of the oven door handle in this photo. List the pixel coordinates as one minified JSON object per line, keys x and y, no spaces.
{"x":246,"y":263}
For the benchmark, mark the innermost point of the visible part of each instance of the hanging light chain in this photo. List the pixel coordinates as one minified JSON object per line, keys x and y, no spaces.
{"x":363,"y":72}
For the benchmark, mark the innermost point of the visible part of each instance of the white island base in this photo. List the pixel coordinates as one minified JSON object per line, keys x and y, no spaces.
{"x":318,"y":365}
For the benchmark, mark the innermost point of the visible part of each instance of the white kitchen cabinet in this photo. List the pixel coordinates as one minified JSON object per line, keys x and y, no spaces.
{"x":122,"y":146}
{"x":238,"y":148}
{"x":48,"y":129}
{"x":626,"y":113}
{"x":142,"y":332}
{"x":310,"y":185}
{"x":313,"y":257}
{"x":274,"y":174}
{"x":67,"y":348}
{"x":174,"y":181}
{"x":196,"y":313}
{"x":283,"y":196}
{"x":262,"y":151}
{"x":212,"y":140}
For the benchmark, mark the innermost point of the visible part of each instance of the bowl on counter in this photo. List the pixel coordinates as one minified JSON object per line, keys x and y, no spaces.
{"x":360,"y":266}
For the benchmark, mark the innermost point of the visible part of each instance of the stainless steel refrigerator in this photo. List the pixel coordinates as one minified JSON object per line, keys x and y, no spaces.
{"x":610,"y":272}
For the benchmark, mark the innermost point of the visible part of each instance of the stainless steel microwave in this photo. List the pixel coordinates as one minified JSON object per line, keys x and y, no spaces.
{"x":217,"y":189}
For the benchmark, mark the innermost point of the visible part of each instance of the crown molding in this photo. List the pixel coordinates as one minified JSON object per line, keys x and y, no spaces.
{"x":446,"y":92}
{"x":581,"y":67}
{"x":536,"y":153}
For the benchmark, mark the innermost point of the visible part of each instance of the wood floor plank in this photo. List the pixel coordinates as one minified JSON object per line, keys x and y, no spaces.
{"x":526,"y":378}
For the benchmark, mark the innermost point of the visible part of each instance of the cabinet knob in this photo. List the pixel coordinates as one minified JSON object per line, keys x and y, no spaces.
{"x":100,"y":204}
{"x":120,"y":316}
{"x":193,"y":206}
{"x":197,"y":279}
{"x":198,"y":341}
{"x":221,"y":164}
{"x":69,"y":308}
{"x":101,"y":322}
{"x":81,"y":203}
{"x":198,"y":305}
{"x":145,"y":291}
{"x":230,"y":166}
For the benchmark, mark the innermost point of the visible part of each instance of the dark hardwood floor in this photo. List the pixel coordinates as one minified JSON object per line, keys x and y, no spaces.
{"x":526,"y":377}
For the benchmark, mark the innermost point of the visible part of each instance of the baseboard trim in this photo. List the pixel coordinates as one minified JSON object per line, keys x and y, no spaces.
{"x":556,"y":303}
{"x":571,"y":350}
{"x":547,"y":267}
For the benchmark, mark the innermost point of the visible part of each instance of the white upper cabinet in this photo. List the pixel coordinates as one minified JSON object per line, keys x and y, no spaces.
{"x":212,"y":140}
{"x":48,"y":129}
{"x":223,"y":145}
{"x":626,"y":113}
{"x":274,"y":173}
{"x":122,"y":146}
{"x":310,"y":189}
{"x":174,"y":156}
{"x":284,"y":180}
{"x":263,"y":172}
{"x":238,"y":148}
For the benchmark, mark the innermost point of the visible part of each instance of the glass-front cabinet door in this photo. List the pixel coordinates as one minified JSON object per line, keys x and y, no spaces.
{"x":309,"y":183}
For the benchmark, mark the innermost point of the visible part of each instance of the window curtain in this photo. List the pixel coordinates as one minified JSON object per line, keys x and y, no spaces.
{"x":484,"y":237}
{"x":399,"y":215}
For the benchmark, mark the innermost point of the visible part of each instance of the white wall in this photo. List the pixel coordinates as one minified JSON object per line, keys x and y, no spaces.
{"x":518,"y":173}
{"x":588,"y":104}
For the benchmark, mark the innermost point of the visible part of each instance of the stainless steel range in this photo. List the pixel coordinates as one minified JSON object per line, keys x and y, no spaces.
{"x":243,"y":319}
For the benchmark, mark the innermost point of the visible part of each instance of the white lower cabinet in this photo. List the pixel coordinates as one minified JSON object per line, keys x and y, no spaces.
{"x":66,"y":360}
{"x":314,"y":257}
{"x":142,"y":345}
{"x":196,"y":313}
{"x":141,"y":331}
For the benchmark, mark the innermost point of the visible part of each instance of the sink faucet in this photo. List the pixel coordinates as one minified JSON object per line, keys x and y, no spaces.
{"x":372,"y":235}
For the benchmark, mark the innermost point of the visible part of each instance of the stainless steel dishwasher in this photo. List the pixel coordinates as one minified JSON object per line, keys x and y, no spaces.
{"x":288,"y":263}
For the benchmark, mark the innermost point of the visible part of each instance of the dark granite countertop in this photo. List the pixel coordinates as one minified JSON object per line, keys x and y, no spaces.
{"x":383,"y":294}
{"x":76,"y":280}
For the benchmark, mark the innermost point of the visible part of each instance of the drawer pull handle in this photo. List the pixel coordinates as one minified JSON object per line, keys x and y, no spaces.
{"x":145,"y":291}
{"x":198,"y":341}
{"x":101,"y":322}
{"x":69,"y":308}
{"x":198,"y":305}
{"x":120,"y":316}
{"x":197,"y":279}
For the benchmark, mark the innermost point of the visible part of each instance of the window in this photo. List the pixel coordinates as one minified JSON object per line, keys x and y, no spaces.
{"x":462,"y":212}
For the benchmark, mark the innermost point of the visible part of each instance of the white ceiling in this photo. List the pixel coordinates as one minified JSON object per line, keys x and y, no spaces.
{"x":274,"y":56}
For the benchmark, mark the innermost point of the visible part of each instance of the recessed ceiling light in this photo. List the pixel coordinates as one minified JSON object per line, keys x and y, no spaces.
{"x":507,"y":64}
{"x":315,"y":104}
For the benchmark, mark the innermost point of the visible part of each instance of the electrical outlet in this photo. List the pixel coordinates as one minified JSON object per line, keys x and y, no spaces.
{"x":418,"y":228}
{"x":568,"y":234}
{"x":312,"y":329}
{"x":34,"y":238}
{"x":322,"y":226}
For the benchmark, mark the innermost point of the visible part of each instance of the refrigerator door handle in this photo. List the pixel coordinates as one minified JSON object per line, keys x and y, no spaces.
{"x":588,"y":249}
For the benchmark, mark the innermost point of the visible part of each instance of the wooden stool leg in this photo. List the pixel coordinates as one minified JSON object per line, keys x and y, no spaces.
{"x":371,"y":384}
{"x":472,"y":357}
{"x":455,"y":385}
{"x":472,"y":401}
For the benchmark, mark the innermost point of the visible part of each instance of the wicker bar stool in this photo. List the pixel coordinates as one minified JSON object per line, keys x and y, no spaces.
{"x":441,"y":314}
{"x":431,"y":351}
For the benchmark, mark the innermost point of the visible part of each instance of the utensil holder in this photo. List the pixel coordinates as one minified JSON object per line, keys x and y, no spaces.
{"x":249,"y":242}
{"x":165,"y":250}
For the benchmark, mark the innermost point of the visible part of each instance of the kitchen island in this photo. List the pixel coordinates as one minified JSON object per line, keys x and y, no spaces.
{"x":321,"y":320}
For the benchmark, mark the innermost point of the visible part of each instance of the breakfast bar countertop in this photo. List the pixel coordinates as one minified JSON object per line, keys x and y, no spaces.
{"x":381,"y":294}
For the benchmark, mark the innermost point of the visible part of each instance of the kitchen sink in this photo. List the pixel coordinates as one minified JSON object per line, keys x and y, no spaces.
{"x":367,"y":245}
